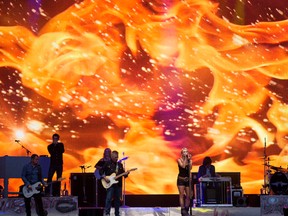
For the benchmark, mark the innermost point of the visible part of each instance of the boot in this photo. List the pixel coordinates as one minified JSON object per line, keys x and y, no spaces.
{"x":184,"y":212}
{"x":187,"y":210}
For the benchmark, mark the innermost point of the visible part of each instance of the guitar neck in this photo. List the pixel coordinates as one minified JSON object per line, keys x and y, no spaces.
{"x":124,"y":173}
{"x":118,"y":176}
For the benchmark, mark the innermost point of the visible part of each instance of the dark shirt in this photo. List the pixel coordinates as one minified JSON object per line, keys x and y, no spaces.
{"x":111,"y":167}
{"x":32,"y":174}
{"x":100,"y":163}
{"x":203,"y":170}
{"x":183,"y":172}
{"x":56,"y":152}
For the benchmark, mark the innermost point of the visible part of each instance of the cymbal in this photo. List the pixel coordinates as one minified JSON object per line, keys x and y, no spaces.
{"x":267,"y":158}
{"x":280,"y":169}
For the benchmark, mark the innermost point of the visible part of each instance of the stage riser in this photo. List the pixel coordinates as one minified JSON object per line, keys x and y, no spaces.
{"x":56,"y":206}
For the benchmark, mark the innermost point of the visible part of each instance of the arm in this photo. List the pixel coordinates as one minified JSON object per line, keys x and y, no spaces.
{"x":213,"y":173}
{"x":190,"y":162}
{"x":23,"y":176}
{"x":123,"y":171}
{"x":200,"y":172}
{"x":181,"y":163}
{"x":62,"y":148}
{"x":99,"y":164}
{"x":49,"y":149}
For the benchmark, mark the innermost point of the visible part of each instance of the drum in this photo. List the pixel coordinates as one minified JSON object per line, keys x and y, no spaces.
{"x":279,"y":183}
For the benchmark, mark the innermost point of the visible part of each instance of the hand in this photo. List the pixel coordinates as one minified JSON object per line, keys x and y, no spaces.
{"x":29,"y":188}
{"x":107,"y":180}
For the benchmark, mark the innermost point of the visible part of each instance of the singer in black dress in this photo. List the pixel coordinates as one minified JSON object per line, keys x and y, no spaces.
{"x":184,"y":176}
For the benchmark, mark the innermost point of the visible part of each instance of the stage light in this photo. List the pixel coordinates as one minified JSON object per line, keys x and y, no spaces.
{"x":19,"y":134}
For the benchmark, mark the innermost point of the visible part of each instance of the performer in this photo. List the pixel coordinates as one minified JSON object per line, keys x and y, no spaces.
{"x":206,"y":169}
{"x":56,"y":150}
{"x":31,"y":174}
{"x":101,"y":191}
{"x":102,"y":161}
{"x":183,"y":180}
{"x":115,"y":189}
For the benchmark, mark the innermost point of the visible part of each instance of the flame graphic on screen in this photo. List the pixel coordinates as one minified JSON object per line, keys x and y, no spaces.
{"x":131,"y":61}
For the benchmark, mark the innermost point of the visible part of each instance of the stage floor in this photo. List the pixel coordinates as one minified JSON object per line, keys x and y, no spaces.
{"x":146,"y":211}
{"x":175,"y":211}
{"x":68,"y":206}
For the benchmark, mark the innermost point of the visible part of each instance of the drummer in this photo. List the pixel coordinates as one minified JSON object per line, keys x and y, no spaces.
{"x":278,"y":182}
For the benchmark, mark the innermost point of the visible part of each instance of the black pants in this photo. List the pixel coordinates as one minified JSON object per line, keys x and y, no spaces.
{"x":52,"y":169}
{"x":38,"y":205}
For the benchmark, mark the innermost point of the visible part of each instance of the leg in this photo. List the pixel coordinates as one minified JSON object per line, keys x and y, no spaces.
{"x":181,"y":189}
{"x":108,"y":201}
{"x":39,"y":205}
{"x":59,"y":170}
{"x":27,"y":202}
{"x":51,"y":172}
{"x":187,"y":198}
{"x":117,"y":194}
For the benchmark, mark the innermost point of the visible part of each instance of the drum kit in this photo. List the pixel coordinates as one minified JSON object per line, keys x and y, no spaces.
{"x":277,"y":180}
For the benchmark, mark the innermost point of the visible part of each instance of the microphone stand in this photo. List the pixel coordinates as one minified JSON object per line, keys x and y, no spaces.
{"x":190,"y":186}
{"x":123,"y":193}
{"x":83,"y":169}
{"x":266,"y":186}
{"x":28,"y":152}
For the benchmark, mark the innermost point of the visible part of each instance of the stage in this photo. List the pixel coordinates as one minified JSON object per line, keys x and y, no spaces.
{"x":271,"y":205}
{"x":175,"y":211}
{"x":16,"y":207}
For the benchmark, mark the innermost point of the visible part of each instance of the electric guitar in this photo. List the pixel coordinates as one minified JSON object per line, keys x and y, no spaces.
{"x":36,"y":188}
{"x":112,"y":178}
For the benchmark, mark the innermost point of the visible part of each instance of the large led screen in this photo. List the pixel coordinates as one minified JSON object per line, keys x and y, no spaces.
{"x":147,"y":78}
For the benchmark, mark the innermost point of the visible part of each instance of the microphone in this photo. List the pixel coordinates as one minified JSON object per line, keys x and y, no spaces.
{"x":122,"y":159}
{"x":17,"y":141}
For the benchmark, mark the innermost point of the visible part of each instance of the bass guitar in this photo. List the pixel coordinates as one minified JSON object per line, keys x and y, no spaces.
{"x":36,"y":188}
{"x":113,"y":178}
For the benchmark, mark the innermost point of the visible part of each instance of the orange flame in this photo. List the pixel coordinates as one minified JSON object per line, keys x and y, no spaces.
{"x":80,"y":60}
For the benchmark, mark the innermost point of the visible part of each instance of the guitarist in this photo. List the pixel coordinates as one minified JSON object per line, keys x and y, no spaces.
{"x":101,"y":191}
{"x":110,"y":167}
{"x":31,"y":174}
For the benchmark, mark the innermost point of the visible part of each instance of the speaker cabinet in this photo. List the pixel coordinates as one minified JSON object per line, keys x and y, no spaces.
{"x":83,"y":185}
{"x":241,"y":202}
{"x":100,"y":195}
